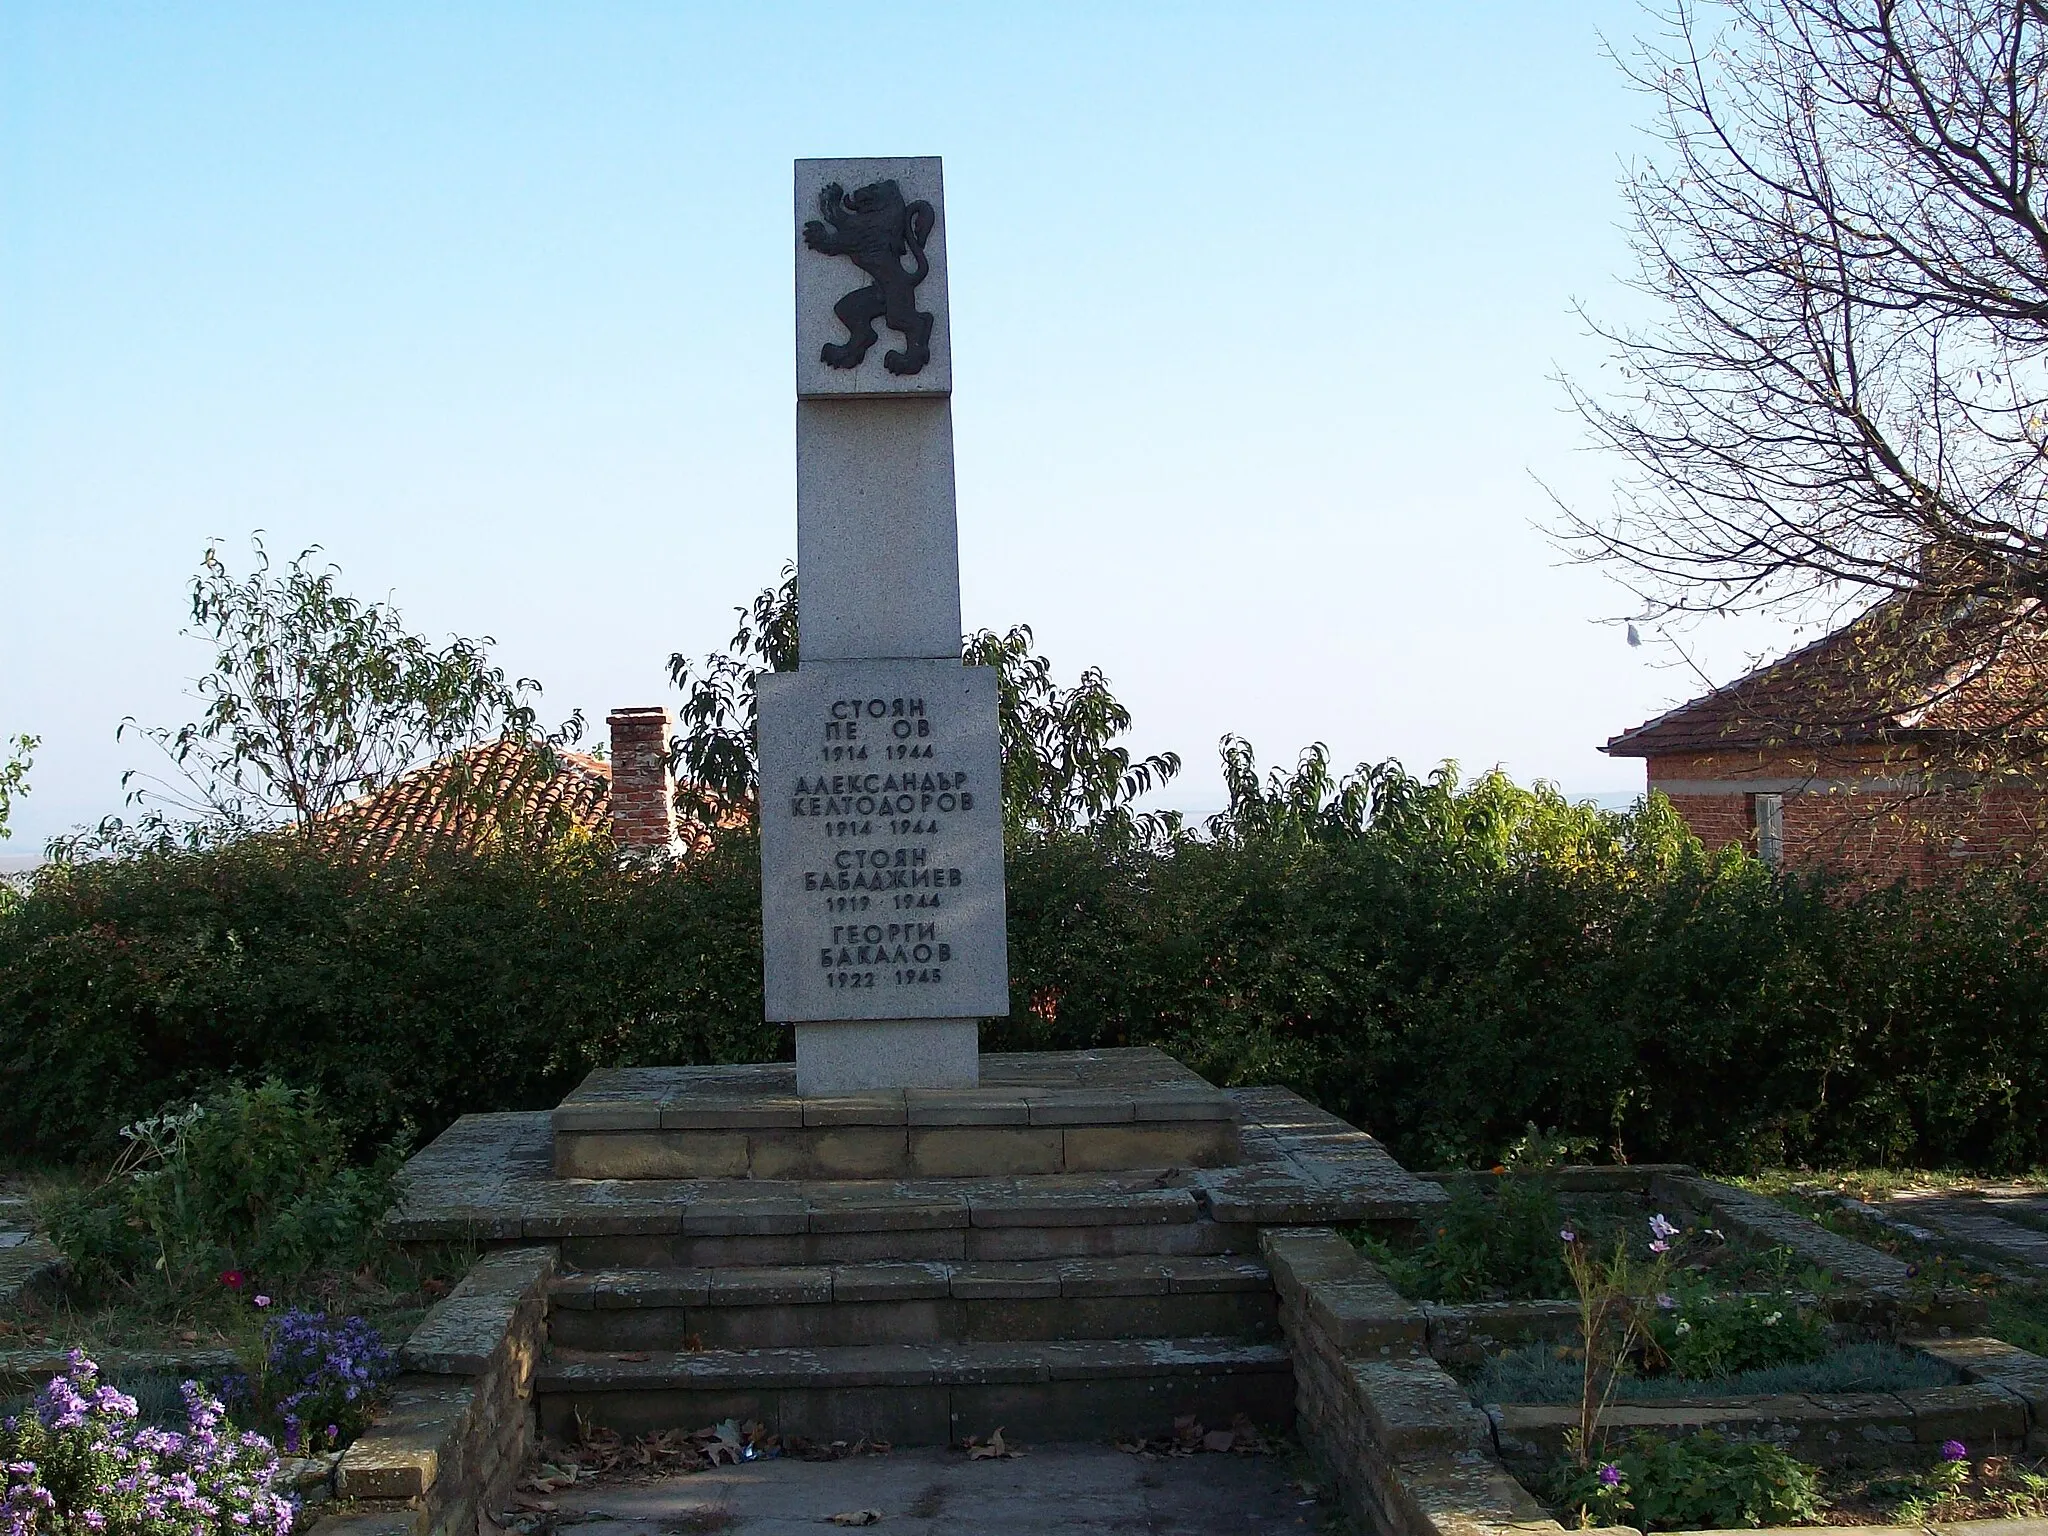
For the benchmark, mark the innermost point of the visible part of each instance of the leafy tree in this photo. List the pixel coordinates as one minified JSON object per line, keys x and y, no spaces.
{"x":316,"y":698}
{"x":1062,"y":768}
{"x":1842,"y":399}
{"x":716,"y":774}
{"x":14,"y":776}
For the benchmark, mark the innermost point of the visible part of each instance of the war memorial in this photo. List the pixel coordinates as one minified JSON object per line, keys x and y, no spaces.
{"x":895,"y":1238}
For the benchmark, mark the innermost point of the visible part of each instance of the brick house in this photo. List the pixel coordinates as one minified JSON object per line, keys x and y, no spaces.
{"x":506,"y":789}
{"x":1854,"y":751}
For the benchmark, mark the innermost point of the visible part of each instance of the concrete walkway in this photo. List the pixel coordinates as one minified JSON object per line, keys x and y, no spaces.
{"x":1075,"y":1490}
{"x":1980,"y":1220}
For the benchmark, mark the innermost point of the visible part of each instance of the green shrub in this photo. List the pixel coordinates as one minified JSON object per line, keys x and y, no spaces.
{"x":251,"y":1183}
{"x":1699,"y":1482}
{"x":1706,"y":1336}
{"x":407,"y":994}
{"x":1486,"y":1245}
{"x":1440,"y":965}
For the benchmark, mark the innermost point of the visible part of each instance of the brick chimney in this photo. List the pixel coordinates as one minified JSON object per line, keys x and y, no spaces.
{"x":643,"y":789}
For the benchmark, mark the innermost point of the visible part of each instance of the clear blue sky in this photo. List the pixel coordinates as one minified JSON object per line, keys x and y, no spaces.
{"x":1255,"y":308}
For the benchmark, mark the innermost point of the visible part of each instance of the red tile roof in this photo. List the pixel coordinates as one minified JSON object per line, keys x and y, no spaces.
{"x":1910,"y":667}
{"x":473,"y":799}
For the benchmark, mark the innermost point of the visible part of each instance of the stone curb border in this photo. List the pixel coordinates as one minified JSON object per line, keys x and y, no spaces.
{"x":1412,"y":1455}
{"x":460,"y":1421}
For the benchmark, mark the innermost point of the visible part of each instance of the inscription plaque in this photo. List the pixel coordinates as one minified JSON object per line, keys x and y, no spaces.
{"x":882,"y":842}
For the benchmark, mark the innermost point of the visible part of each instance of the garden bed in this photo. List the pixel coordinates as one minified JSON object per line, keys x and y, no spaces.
{"x":1498,"y":1240}
{"x":1773,"y":1369}
{"x":228,"y":1314}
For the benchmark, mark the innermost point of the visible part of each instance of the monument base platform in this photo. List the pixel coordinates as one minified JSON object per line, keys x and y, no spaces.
{"x":918,"y":1310}
{"x":872,"y":1055}
{"x":1033,"y":1113}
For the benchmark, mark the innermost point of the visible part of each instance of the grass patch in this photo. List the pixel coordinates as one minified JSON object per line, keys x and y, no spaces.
{"x":2019,"y":1316}
{"x":393,"y":1292}
{"x":1545,"y":1373}
{"x":1876,"y":1184}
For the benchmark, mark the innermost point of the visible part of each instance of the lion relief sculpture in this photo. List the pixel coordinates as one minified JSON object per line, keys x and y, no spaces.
{"x":875,"y":229}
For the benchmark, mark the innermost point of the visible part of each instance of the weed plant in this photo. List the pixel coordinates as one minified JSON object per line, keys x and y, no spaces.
{"x":1701,"y":1481}
{"x":249,"y":1186}
{"x":1954,"y":1489}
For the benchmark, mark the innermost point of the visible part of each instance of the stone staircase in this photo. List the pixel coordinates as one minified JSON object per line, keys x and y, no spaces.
{"x":1079,"y":1306}
{"x":916,"y":1310}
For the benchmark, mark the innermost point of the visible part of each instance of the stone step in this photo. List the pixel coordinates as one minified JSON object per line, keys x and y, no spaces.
{"x":923,"y":1221}
{"x":816,"y":1306}
{"x":924,"y":1394}
{"x":1084,"y":1112}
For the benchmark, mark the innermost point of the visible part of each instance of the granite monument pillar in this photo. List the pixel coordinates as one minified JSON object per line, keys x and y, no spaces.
{"x":881,"y":806}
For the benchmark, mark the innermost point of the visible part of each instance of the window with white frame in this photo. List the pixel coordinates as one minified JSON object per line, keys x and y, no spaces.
{"x":1769,"y":814}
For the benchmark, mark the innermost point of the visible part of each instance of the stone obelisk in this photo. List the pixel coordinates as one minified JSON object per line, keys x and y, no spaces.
{"x":881,"y":781}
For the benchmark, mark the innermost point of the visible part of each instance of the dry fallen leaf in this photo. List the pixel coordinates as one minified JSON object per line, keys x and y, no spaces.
{"x":994,"y":1450}
{"x":855,"y":1517}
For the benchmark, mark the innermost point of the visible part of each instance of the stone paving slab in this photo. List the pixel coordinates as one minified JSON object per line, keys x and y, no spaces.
{"x":26,"y":1256}
{"x":1977,"y":1222}
{"x":1073,"y":1490}
{"x":467,"y":1329}
{"x":1764,"y":1220}
{"x":1821,"y":1426}
{"x":1304,"y":1166}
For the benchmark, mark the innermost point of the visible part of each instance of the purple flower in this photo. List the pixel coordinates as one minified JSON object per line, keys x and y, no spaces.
{"x":1610,"y":1474}
{"x":1954,"y":1450}
{"x":1566,"y":1234}
{"x":1667,"y":1303}
{"x":1661,"y":1229}
{"x":113,"y":1473}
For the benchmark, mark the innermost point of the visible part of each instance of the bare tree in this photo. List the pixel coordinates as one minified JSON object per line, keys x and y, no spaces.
{"x":1842,"y":402}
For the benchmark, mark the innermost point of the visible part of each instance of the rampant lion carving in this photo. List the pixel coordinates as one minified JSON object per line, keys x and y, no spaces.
{"x":875,"y":229}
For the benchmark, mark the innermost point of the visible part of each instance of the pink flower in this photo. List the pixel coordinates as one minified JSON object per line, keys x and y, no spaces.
{"x":233,"y":1279}
{"x":1660,"y":1246}
{"x":262,"y":1301}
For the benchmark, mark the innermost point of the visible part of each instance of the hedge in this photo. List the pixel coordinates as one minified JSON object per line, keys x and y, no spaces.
{"x":1444,"y":971}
